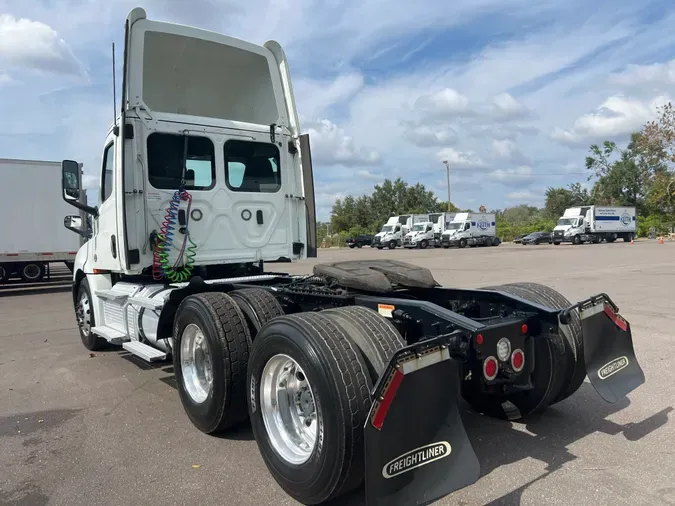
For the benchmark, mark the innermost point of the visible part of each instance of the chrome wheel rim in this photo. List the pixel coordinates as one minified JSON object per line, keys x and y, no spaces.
{"x":288,"y":409}
{"x":31,"y":271}
{"x":196,"y":366}
{"x":83,"y":314}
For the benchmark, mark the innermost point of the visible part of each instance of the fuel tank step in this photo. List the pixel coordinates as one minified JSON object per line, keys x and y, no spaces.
{"x":113,"y":336}
{"x":147,"y":353}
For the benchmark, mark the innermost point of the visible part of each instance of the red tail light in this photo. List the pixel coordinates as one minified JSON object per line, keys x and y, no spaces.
{"x":490,"y":368}
{"x":517,"y":360}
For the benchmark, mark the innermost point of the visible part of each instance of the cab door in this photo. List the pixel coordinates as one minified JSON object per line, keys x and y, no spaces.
{"x":105,"y":238}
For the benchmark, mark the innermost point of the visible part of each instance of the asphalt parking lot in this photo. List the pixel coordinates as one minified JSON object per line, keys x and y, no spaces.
{"x":107,"y":429}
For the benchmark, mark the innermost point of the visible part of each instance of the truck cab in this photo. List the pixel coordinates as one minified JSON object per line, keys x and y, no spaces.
{"x":392,"y":232}
{"x":421,"y":235}
{"x":205,"y":176}
{"x":571,"y":225}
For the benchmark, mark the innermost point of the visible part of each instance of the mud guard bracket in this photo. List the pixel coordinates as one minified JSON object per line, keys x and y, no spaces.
{"x":417,"y":449}
{"x":611,"y":364}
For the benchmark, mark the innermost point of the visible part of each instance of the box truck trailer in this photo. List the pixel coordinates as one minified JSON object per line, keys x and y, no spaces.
{"x":593,"y":224}
{"x":32,"y":233}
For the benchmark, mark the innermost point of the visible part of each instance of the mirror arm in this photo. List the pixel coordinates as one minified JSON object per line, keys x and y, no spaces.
{"x":84,"y":207}
{"x":86,"y":234}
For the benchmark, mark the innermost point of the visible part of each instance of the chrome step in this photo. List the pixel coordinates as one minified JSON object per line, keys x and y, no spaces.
{"x":146,"y":302}
{"x":113,"y":336}
{"x":147,"y":353}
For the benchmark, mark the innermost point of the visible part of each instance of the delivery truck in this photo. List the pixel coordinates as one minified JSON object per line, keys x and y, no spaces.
{"x":471,"y":229}
{"x":32,"y":232}
{"x":593,"y":224}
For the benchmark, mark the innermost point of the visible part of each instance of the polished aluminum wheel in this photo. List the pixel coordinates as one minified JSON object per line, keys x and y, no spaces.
{"x":288,"y":409}
{"x":196,"y":366}
{"x":83,"y":313}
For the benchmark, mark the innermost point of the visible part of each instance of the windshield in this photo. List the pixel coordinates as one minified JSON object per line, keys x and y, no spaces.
{"x":566,"y":221}
{"x":419,"y":227}
{"x":455,"y":226}
{"x":386,"y":228}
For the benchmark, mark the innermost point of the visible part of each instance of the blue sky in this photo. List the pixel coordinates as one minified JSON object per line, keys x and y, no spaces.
{"x":510,"y":92}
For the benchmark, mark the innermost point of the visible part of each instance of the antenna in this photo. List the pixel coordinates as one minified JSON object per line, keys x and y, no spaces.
{"x":114,"y":86}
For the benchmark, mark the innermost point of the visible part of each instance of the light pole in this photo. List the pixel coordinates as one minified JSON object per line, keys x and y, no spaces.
{"x":447,"y":169}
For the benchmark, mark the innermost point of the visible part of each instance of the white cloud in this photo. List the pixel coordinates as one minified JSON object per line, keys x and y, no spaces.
{"x":332,"y":146}
{"x":507,"y":150}
{"x":524,"y":197}
{"x":430,"y":136}
{"x":616,"y":116}
{"x":443,"y":104}
{"x":37,"y":46}
{"x":459,"y":160}
{"x":638,"y":75}
{"x":519,"y":176}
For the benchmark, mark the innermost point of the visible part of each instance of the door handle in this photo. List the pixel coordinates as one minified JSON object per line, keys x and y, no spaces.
{"x":113,"y":246}
{"x":259,"y":216}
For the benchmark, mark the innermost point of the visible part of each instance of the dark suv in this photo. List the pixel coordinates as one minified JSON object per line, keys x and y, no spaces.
{"x":537,"y":238}
{"x":359,"y":241}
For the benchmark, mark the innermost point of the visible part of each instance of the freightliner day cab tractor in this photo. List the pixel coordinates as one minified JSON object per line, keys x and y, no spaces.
{"x":348,"y":375}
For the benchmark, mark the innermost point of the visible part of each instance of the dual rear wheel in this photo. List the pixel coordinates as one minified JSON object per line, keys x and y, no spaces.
{"x":303,"y":380}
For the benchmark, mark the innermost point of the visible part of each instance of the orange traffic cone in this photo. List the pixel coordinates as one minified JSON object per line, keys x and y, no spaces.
{"x":661,"y":239}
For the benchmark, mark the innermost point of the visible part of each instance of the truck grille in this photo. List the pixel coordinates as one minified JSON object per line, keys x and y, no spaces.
{"x":558,"y":233}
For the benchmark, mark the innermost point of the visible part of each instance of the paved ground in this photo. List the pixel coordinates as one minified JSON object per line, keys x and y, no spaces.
{"x":81,"y":429}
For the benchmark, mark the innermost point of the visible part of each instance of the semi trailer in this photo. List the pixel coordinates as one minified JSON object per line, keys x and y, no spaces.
{"x":32,"y":235}
{"x":350,"y":374}
{"x":595,"y":224}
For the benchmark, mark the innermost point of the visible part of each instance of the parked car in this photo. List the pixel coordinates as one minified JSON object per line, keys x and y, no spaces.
{"x":519,"y":238}
{"x":360,"y":241}
{"x":537,"y":238}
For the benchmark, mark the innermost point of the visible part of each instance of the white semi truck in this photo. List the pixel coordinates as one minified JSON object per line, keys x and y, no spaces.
{"x":420,"y":236}
{"x":32,"y":235}
{"x":207,"y":181}
{"x":471,"y":229}
{"x":593,"y":224}
{"x":396,"y":228}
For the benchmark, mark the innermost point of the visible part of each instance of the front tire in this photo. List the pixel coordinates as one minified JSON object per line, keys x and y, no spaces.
{"x":84,"y":314}
{"x":333,"y":400}
{"x":210,"y":351}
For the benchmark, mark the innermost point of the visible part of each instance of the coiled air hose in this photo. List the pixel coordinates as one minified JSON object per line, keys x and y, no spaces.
{"x":161,"y":266}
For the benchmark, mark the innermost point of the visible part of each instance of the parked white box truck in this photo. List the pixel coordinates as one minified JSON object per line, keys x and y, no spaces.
{"x":420,"y":236}
{"x":471,"y":229}
{"x":32,"y":232}
{"x":594,"y":224}
{"x":396,"y":228}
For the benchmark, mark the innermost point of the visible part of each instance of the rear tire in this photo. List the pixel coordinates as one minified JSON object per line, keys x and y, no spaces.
{"x":215,"y":400}
{"x":259,"y":307}
{"x":32,"y":272}
{"x":575,"y":367}
{"x":336,"y":401}
{"x":375,"y":336}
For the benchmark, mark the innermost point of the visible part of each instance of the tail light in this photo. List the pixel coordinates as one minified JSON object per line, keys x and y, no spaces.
{"x":517,"y":360}
{"x":490,"y":368}
{"x":503,"y":349}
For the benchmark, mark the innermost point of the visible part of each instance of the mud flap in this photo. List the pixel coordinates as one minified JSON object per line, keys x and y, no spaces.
{"x":417,"y":449}
{"x":611,"y":364}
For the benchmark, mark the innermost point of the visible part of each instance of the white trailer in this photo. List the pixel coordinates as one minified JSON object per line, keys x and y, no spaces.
{"x":471,"y":229}
{"x":441,"y":223}
{"x":32,"y":233}
{"x":593,"y":224}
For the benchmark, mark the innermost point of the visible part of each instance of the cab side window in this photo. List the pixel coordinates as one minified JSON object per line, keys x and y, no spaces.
{"x":108,"y":168}
{"x":252,"y":166}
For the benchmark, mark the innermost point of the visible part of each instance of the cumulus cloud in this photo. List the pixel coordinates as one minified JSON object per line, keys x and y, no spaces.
{"x":637,"y":75}
{"x":459,"y":160}
{"x":519,"y":176}
{"x":430,"y":136}
{"x":443,"y":104}
{"x":507,"y":150}
{"x":35,"y":45}
{"x":332,"y":146}
{"x":616,"y":116}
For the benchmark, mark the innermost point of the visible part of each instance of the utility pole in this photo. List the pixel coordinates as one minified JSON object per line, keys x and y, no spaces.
{"x":447,"y":169}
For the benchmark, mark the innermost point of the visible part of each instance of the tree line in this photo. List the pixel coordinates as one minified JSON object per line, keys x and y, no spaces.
{"x":641,"y":175}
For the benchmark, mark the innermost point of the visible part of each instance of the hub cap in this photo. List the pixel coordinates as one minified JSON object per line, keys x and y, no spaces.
{"x":31,"y":271}
{"x":83,"y":314}
{"x":196,"y":367}
{"x":288,"y":409}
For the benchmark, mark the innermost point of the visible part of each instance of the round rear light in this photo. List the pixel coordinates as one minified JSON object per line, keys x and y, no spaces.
{"x":517,"y":360}
{"x":523,"y":328}
{"x":479,"y":339}
{"x":490,"y":368}
{"x":503,"y":349}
